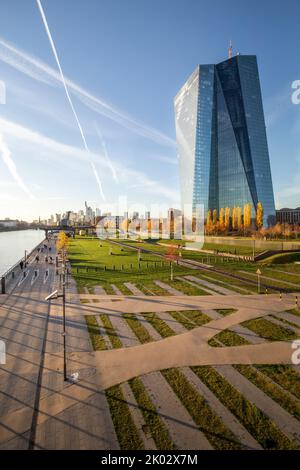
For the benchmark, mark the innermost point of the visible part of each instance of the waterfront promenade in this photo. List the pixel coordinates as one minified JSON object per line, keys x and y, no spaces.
{"x":31,"y":329}
{"x":38,"y":410}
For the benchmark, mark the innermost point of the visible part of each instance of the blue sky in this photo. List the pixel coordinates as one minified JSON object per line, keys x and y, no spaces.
{"x":124,"y":61}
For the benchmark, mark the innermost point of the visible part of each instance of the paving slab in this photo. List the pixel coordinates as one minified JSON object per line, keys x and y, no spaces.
{"x":183,"y":431}
{"x":132,"y":287}
{"x":210,"y":285}
{"x":289,"y":425}
{"x":168,"y":288}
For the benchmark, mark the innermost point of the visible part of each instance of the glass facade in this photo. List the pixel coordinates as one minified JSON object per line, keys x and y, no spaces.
{"x":221,"y":138}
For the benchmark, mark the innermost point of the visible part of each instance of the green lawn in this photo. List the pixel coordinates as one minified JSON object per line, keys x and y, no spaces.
{"x":92,"y":264}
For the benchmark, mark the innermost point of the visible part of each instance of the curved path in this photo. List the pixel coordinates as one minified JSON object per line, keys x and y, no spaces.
{"x":190,"y":348}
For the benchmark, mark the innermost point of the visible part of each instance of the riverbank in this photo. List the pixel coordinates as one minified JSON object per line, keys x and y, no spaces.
{"x":14,"y":244}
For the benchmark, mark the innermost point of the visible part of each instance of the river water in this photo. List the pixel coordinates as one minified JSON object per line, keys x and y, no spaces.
{"x":14,"y":244}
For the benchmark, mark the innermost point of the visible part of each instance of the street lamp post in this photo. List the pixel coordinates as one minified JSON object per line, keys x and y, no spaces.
{"x":258,"y":272}
{"x":63,"y":268}
{"x":64,"y":327}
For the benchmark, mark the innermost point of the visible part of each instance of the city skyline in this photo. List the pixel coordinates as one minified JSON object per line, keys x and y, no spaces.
{"x":130,"y":133}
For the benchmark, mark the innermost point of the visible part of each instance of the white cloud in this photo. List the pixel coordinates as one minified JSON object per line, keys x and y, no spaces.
{"x":68,"y":154}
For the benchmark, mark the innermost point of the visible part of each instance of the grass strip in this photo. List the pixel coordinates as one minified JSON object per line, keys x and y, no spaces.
{"x":157,"y":428}
{"x":269,"y":330}
{"x":228,"y":338}
{"x":294,"y":311}
{"x":190,"y":318}
{"x":138,"y":328}
{"x":122,"y":288}
{"x":186,"y":288}
{"x":126,"y":430}
{"x":270,"y":389}
{"x":256,"y":376}
{"x":208,"y":422}
{"x":110,"y":331}
{"x":284,"y":375}
{"x":182,"y":320}
{"x":96,"y":338}
{"x":253,"y":419}
{"x":225,"y":311}
{"x":159,"y":325}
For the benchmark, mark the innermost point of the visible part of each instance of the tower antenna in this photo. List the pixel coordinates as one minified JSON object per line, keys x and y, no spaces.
{"x":230,"y":50}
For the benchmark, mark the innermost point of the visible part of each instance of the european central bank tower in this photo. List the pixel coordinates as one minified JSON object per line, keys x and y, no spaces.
{"x":221,"y":138}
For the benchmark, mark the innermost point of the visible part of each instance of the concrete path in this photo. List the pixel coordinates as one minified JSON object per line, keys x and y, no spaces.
{"x":144,"y":303}
{"x":230,"y":421}
{"x":183,"y":431}
{"x":116,"y":289}
{"x":242,"y":289}
{"x":191,"y":348}
{"x":135,"y":290}
{"x":168,"y":288}
{"x":286,"y":422}
{"x":99,"y":290}
{"x":204,"y":289}
{"x":210,"y":285}
{"x":138,"y":418}
{"x":289,"y":317}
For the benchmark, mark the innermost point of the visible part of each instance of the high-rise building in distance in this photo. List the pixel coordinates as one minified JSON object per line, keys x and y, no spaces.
{"x":221,"y":138}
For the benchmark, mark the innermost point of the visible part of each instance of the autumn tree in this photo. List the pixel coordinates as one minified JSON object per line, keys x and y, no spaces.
{"x":227,"y":217}
{"x":247,"y":215}
{"x":62,"y":241}
{"x":221,"y":218}
{"x":208,"y":219}
{"x":215,"y":217}
{"x":259,"y":215}
{"x":234,"y":218}
{"x":239,"y":218}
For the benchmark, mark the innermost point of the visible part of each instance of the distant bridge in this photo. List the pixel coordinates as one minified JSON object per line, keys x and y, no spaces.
{"x":66,"y":228}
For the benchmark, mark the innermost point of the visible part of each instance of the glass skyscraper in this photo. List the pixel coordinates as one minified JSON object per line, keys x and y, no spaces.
{"x":221,"y":138}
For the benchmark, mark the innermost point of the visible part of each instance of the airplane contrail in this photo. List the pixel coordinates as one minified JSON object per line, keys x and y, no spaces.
{"x":106,"y":156}
{"x":68,"y":95}
{"x":38,"y":70}
{"x":8,"y":161}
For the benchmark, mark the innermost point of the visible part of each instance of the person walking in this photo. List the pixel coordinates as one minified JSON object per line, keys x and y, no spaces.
{"x":21,"y":264}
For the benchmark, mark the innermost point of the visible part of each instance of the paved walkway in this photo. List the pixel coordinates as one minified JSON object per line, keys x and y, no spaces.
{"x":24,"y":319}
{"x":39,"y":410}
{"x":189,"y":348}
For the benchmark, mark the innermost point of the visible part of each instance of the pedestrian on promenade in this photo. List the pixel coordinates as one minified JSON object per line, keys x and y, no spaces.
{"x":21,"y":264}
{"x":46,"y":259}
{"x":37,"y":258}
